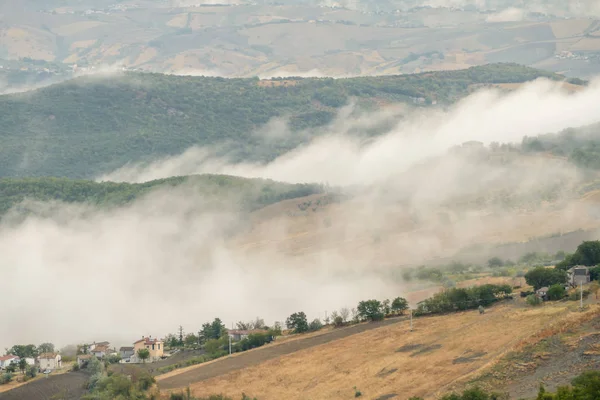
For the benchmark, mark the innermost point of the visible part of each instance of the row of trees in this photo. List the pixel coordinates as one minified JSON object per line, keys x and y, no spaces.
{"x":29,"y":350}
{"x":367,"y":310}
{"x":459,"y":299}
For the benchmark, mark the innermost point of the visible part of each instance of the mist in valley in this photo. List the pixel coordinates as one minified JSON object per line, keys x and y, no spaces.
{"x":76,"y":274}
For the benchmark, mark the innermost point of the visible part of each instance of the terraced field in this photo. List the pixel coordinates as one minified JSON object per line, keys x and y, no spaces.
{"x":69,"y":386}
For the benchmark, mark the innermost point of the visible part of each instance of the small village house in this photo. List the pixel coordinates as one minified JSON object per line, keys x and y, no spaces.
{"x":154,"y":346}
{"x":94,"y":345}
{"x":100,"y":351}
{"x":5,"y":361}
{"x":126,"y":353}
{"x":50,"y":361}
{"x":83,"y":359}
{"x":578,"y":275}
{"x":239,"y":334}
{"x":542,"y":293}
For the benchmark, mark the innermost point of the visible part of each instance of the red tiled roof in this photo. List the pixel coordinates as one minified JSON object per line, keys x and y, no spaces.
{"x":148,"y":341}
{"x":8,"y":357}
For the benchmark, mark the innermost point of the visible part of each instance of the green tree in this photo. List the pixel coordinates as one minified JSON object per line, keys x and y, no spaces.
{"x":191,"y":340}
{"x":315,"y":325}
{"x":46,"y":348}
{"x":588,"y":253}
{"x":386,"y":308}
{"x":143,"y":354}
{"x":587,"y":385}
{"x":297,"y":322}
{"x":218,"y":328}
{"x":495,"y":262}
{"x":24,"y":351}
{"x":22,"y":365}
{"x":32,"y":371}
{"x":399,"y":305}
{"x":556,"y":292}
{"x":540,"y":277}
{"x":213,"y":346}
{"x":370,"y":310}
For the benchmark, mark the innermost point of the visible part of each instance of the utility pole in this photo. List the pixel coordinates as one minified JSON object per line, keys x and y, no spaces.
{"x":411,"y":326}
{"x":581,"y":295}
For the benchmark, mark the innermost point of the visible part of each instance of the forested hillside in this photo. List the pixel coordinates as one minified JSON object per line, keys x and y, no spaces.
{"x":246,"y":194}
{"x":92,"y":125}
{"x":581,"y":146}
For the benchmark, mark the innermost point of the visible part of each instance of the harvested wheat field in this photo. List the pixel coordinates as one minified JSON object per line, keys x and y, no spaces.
{"x":392,"y":362}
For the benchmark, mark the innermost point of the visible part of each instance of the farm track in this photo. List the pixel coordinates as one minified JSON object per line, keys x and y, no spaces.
{"x":69,"y":386}
{"x":260,"y":355}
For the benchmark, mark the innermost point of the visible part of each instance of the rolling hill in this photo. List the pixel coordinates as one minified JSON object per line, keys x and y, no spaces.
{"x":243,"y":194}
{"x":92,"y":125}
{"x":315,"y":37}
{"x":393,"y":362}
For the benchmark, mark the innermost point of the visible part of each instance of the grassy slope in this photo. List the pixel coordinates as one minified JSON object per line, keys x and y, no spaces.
{"x":91,"y":125}
{"x":381,"y":362}
{"x":250,"y":193}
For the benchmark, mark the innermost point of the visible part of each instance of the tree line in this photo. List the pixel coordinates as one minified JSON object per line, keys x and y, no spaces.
{"x":244,"y":194}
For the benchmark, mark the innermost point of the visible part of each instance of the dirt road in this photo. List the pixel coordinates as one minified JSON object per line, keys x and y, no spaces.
{"x":247,"y":359}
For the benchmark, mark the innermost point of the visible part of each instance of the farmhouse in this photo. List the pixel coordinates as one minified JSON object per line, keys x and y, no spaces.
{"x":5,"y":361}
{"x":126,"y":352}
{"x":83,"y":359}
{"x":238,"y":334}
{"x":542,"y":293}
{"x":578,"y":275}
{"x":50,"y":361}
{"x":154,"y":346}
{"x":100,"y":351}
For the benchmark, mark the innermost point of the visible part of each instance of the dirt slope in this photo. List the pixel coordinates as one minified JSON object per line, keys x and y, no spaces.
{"x":223,"y":366}
{"x":390,"y":361}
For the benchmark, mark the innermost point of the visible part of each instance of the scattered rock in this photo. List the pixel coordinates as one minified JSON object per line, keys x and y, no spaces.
{"x":385,"y":372}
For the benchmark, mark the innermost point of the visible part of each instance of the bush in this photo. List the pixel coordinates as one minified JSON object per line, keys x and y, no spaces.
{"x":338,"y":322}
{"x":460,"y":299}
{"x":315,"y":325}
{"x":5,"y":378}
{"x":533,"y":300}
{"x":556,"y":292}
{"x":31,"y":371}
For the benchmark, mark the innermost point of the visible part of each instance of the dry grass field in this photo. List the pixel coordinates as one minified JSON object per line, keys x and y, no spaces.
{"x":392,"y":361}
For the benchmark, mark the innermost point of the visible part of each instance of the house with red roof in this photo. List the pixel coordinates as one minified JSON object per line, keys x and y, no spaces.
{"x":5,"y":361}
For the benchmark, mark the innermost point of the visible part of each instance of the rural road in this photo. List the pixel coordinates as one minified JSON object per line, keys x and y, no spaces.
{"x":247,"y":359}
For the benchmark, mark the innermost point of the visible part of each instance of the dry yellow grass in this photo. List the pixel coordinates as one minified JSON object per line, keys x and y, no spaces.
{"x":371,"y":360}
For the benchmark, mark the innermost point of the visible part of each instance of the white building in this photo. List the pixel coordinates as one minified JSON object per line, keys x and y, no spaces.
{"x":50,"y":361}
{"x":5,"y":361}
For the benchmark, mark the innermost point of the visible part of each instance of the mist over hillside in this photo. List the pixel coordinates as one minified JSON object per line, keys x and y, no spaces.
{"x":411,"y":195}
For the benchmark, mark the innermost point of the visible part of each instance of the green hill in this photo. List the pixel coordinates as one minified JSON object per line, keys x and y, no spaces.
{"x":241,"y":193}
{"x":92,"y":125}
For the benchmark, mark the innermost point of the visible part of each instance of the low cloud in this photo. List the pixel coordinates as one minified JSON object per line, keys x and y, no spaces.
{"x":340,"y":158}
{"x":172,"y":258}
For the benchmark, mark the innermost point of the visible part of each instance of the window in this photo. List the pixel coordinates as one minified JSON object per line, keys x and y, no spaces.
{"x":152,"y":347}
{"x":159,"y":346}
